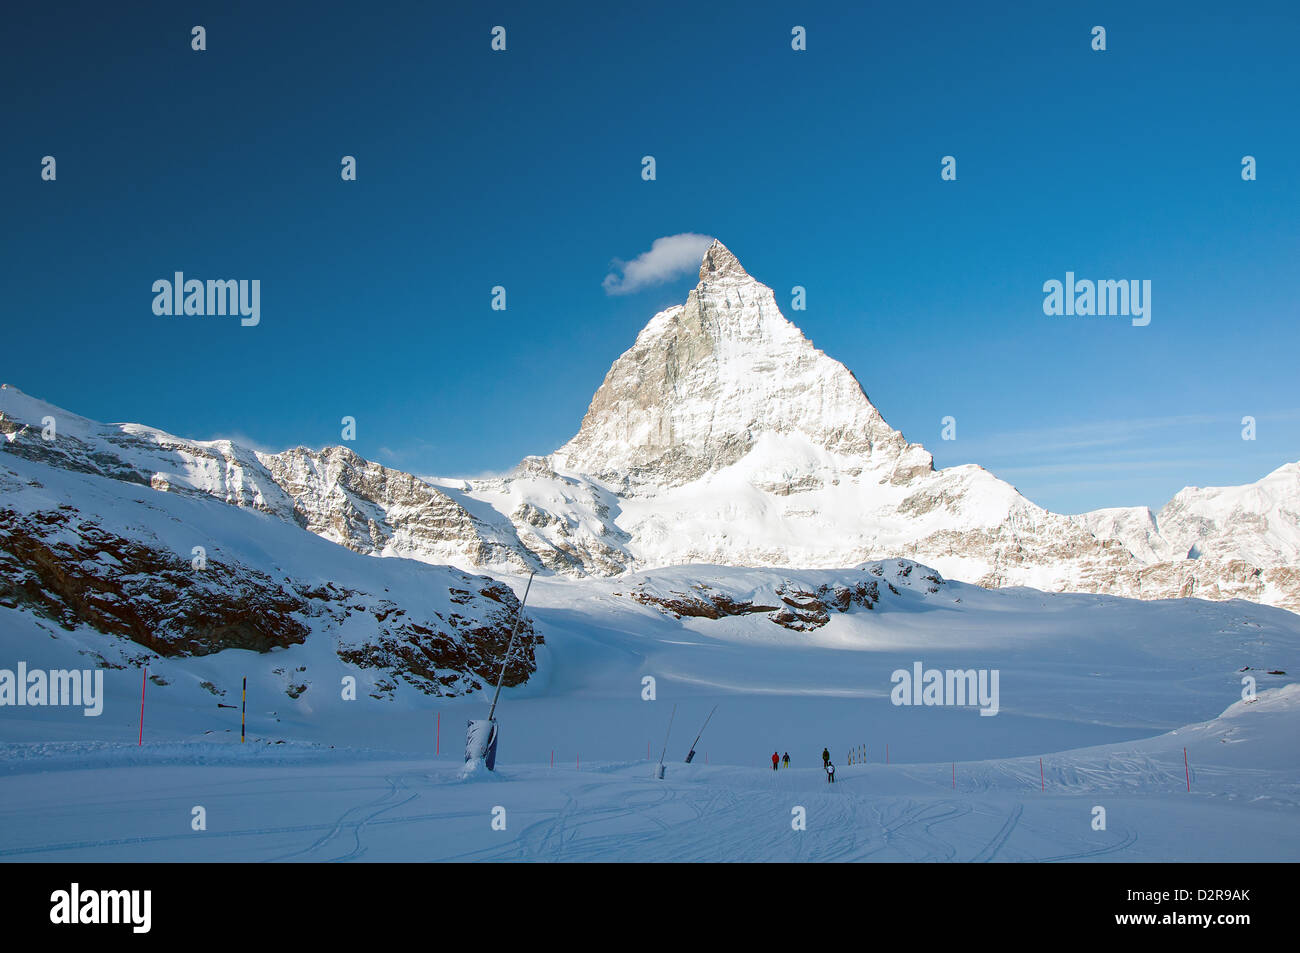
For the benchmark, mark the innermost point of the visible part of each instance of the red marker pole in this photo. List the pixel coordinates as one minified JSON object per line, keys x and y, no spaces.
{"x":1187,"y":769}
{"x":243,"y":710}
{"x":143,"y":682}
{"x":1042,"y":779}
{"x":552,"y":757}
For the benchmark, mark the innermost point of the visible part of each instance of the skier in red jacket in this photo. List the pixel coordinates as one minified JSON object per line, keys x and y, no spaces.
{"x":775,"y":760}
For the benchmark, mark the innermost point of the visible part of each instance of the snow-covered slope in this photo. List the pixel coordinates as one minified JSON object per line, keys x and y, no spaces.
{"x":1242,"y":806}
{"x":1258,"y":523}
{"x":1133,"y":526}
{"x":1106,"y":691}
{"x":118,"y":573}
{"x":332,"y":492}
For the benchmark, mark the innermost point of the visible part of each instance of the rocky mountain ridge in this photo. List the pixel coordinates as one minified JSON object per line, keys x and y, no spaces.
{"x":179,"y":574}
{"x":721,"y":436}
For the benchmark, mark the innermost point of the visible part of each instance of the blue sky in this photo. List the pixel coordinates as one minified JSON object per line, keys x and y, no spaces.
{"x":522,"y":169}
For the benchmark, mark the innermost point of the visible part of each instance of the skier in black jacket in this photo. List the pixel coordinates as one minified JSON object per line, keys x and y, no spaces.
{"x":826,"y":757}
{"x":785,"y":760}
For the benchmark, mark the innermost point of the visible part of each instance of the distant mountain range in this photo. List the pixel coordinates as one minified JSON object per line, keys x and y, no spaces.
{"x":722,"y":436}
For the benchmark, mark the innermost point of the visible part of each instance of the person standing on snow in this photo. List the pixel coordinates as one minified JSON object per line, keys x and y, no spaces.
{"x":785,"y":760}
{"x":830,"y":773}
{"x":826,"y":757}
{"x":775,"y":758}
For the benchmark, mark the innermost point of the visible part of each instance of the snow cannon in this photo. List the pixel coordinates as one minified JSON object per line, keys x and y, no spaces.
{"x":481,"y":735}
{"x":690,"y":755}
{"x":481,"y":742}
{"x":658,"y":772}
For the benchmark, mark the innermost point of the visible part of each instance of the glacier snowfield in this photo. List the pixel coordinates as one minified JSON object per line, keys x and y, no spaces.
{"x":1107,"y":692}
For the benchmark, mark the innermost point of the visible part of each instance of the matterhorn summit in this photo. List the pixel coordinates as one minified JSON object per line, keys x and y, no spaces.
{"x":710,"y":381}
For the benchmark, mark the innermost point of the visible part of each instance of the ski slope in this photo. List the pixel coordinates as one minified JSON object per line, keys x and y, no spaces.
{"x":114,"y":804}
{"x":1107,"y":691}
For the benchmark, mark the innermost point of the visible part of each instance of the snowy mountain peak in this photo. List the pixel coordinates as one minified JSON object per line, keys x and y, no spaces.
{"x":719,"y":263}
{"x":709,"y":381}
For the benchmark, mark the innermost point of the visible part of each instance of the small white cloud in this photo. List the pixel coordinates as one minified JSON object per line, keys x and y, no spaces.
{"x":667,"y":258}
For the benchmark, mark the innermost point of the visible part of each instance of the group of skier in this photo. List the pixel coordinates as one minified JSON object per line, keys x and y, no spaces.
{"x":783,"y":761}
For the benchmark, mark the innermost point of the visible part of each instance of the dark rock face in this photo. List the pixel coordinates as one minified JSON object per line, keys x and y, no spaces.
{"x":805,"y":610}
{"x":66,"y":568}
{"x":802,"y":607}
{"x":704,"y":604}
{"x":455,"y":654}
{"x":60,"y":564}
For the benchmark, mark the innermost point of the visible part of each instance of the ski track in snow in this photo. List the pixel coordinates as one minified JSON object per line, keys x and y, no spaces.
{"x":387,"y":802}
{"x":122,"y":803}
{"x":559,"y":816}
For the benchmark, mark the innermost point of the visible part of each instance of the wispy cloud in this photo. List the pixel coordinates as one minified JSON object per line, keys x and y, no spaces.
{"x":406,"y":455}
{"x":1074,"y":467}
{"x":1090,"y":435}
{"x":667,"y":258}
{"x":1140,"y":432}
{"x":1111,"y":466}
